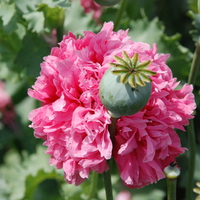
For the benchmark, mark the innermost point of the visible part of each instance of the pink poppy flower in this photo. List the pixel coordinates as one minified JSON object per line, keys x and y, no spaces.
{"x":90,"y":6}
{"x":146,"y":142}
{"x":74,"y":124}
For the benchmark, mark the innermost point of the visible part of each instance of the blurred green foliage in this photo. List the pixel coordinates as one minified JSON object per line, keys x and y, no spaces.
{"x":25,"y":27}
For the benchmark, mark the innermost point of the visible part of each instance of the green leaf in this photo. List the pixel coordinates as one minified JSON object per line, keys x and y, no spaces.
{"x":13,"y":174}
{"x":32,"y":182}
{"x":57,"y":3}
{"x":144,"y":31}
{"x":10,"y":44}
{"x":196,"y":22}
{"x":54,"y":17}
{"x":152,"y":32}
{"x":45,"y":15}
{"x":31,"y":55}
{"x":35,"y":21}
{"x":8,"y":16}
{"x":23,"y":175}
{"x":133,"y":8}
{"x":28,"y":6}
{"x":180,"y":57}
{"x":77,"y":22}
{"x":193,"y":5}
{"x":4,"y":189}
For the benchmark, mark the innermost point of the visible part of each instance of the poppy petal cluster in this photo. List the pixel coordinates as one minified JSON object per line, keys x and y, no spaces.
{"x":90,"y":6}
{"x":74,"y":123}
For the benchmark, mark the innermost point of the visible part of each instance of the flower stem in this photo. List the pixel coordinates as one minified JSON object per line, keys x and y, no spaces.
{"x":60,"y":27}
{"x":195,"y":64}
{"x":191,"y":133}
{"x":59,"y":33}
{"x":108,"y":184}
{"x":119,"y":14}
{"x":192,"y":150}
{"x":107,"y":175}
{"x":172,"y":173}
{"x":112,"y":128}
{"x":171,"y":189}
{"x":94,"y":183}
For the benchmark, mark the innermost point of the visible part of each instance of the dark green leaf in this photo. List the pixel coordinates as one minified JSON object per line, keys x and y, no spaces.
{"x":32,"y":182}
{"x":32,"y":53}
{"x":10,"y":44}
{"x":54,"y":17}
{"x":153,"y":32}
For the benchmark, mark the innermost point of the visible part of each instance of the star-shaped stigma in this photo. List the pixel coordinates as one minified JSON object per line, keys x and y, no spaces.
{"x":131,"y":70}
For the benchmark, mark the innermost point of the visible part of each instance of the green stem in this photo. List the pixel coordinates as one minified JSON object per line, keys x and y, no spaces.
{"x":59,"y":33}
{"x":107,"y":175}
{"x":191,"y":133}
{"x":94,"y":184}
{"x":60,"y":28}
{"x":120,"y":14}
{"x":195,"y":64}
{"x":192,"y":156}
{"x":112,"y":128}
{"x":171,"y":189}
{"x":108,"y":184}
{"x":172,"y":173}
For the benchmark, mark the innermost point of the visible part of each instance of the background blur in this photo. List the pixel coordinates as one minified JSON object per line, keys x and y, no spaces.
{"x":28,"y":31}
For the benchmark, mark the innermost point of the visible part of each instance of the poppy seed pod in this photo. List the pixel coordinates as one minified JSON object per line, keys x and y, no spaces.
{"x":129,"y":91}
{"x":122,"y":99}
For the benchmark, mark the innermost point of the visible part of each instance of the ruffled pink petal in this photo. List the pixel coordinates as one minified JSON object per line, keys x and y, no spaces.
{"x":74,"y":124}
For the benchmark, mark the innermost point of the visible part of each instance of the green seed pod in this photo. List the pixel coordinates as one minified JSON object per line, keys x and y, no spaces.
{"x":126,"y":87}
{"x":122,"y":99}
